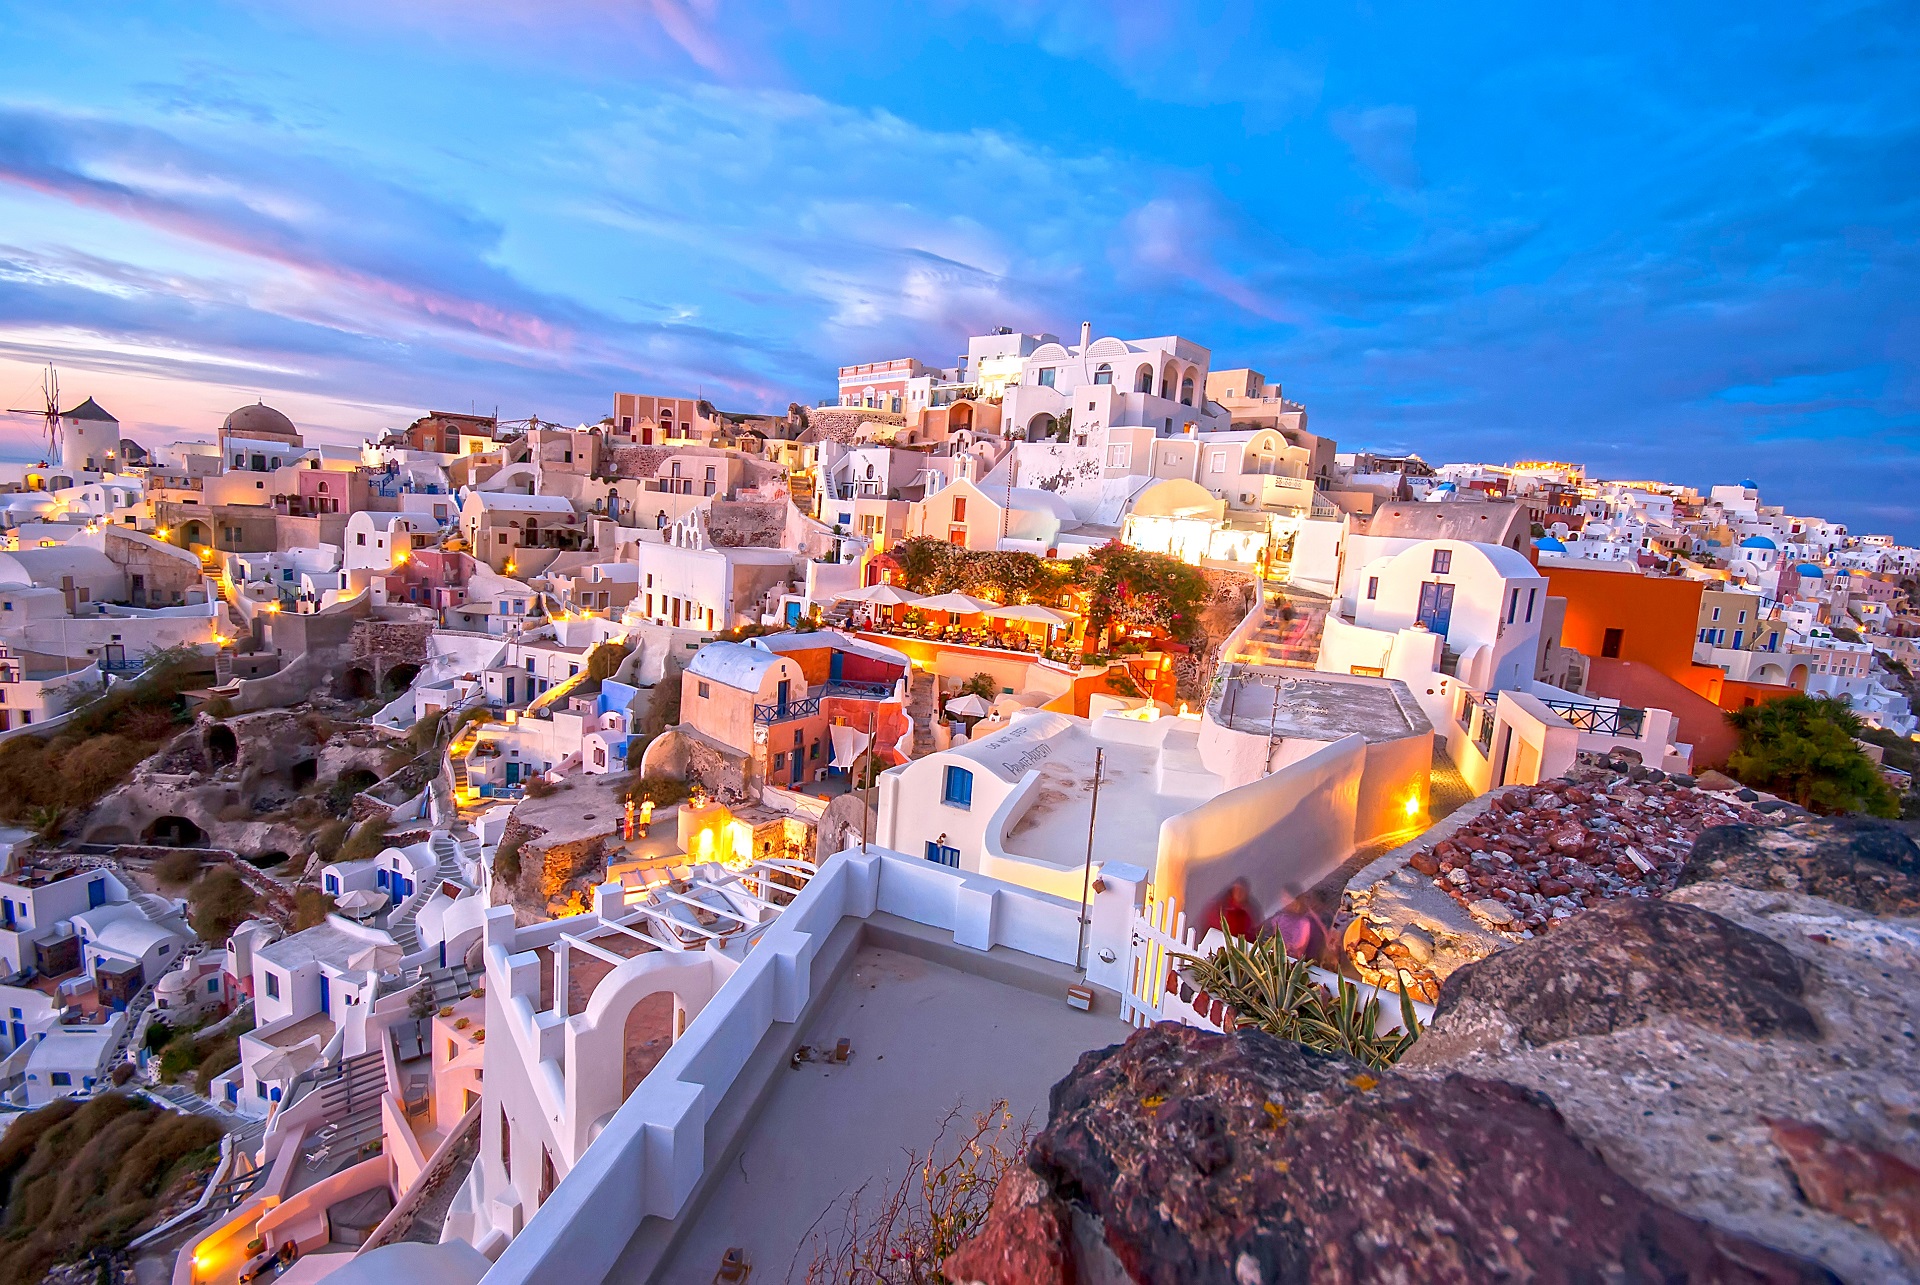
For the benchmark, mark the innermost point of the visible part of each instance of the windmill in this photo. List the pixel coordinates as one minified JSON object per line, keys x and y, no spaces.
{"x":50,"y":412}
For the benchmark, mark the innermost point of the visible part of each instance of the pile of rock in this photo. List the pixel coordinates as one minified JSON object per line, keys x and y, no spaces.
{"x":1381,"y":956}
{"x":1541,"y":854}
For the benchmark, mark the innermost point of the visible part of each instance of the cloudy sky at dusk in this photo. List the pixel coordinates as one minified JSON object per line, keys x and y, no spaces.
{"x":1666,"y":239}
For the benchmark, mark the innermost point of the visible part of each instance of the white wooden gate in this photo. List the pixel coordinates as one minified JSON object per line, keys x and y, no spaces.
{"x":1160,"y":932}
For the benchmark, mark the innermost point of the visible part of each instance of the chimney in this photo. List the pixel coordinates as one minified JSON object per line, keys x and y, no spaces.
{"x":1086,"y":336}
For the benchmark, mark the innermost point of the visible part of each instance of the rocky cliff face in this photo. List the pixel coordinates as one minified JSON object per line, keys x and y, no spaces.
{"x":1718,"y":1085}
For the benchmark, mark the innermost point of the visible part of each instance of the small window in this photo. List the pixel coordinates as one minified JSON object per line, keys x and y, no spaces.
{"x":958,"y":792}
{"x":61,"y":1079}
{"x":704,"y":691}
{"x":273,"y":983}
{"x":1103,"y":373}
{"x":1442,"y":561}
{"x":780,"y":761}
{"x":1046,"y":377}
{"x":1373,"y":588}
{"x":1531,"y":595}
{"x":213,"y":986}
{"x":1513,"y":606}
{"x":959,"y":508}
{"x":360,"y":538}
{"x":1610,"y":643}
{"x":1716,"y":613}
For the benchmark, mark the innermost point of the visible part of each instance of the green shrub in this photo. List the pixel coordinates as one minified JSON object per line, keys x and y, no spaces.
{"x":1268,"y":988}
{"x":81,"y":1176}
{"x":178,"y":868}
{"x":310,"y":908}
{"x":661,"y":791}
{"x":217,"y":903}
{"x":368,"y":840}
{"x":1802,"y":748}
{"x":506,"y":860}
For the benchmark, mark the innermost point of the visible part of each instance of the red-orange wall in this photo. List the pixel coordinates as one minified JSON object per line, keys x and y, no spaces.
{"x":1657,"y":616}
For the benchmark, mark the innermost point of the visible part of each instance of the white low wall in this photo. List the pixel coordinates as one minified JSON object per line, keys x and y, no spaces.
{"x":1280,"y":834}
{"x":652,"y":1152}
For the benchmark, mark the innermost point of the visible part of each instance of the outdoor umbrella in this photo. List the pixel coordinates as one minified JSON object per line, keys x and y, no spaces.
{"x":971,"y":705}
{"x":284,"y":1064}
{"x":376,"y":958}
{"x":959,"y":604}
{"x":879,"y":595}
{"x":362,"y":901}
{"x":1032,"y":612}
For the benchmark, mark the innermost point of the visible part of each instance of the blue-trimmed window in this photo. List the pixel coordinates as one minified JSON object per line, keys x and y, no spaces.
{"x":1442,"y":561}
{"x":380,"y":876}
{"x":958,"y":791}
{"x":1373,"y":588}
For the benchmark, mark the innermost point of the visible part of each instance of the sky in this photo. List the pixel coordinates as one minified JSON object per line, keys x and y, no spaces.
{"x":1668,"y":240}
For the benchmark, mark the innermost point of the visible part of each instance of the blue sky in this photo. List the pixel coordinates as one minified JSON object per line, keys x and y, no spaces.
{"x":1670,"y":240}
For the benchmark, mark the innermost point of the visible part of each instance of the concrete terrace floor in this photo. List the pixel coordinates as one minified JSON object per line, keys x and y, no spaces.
{"x":927,"y":1039}
{"x":1053,"y":829}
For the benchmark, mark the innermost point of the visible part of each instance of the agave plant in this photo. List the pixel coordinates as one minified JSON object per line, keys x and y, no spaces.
{"x":1268,"y":988}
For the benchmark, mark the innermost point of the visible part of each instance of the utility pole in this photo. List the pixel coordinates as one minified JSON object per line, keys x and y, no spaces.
{"x":1086,"y":873}
{"x":866,"y":799}
{"x":1012,"y":463}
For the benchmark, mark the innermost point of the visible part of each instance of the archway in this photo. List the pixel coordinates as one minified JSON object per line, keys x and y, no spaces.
{"x":304,"y":773}
{"x":1169,"y":379}
{"x":649,"y":1034}
{"x":195,"y":531}
{"x":223,"y":748}
{"x":401,"y":677}
{"x":267,"y":860}
{"x":1143,"y":380}
{"x":356,"y":683}
{"x":1186,"y":390}
{"x":1041,"y":426}
{"x":961,"y":416}
{"x":176,"y":832}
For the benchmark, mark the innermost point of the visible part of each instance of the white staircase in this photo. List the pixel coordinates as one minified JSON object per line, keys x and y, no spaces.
{"x":446,"y":868}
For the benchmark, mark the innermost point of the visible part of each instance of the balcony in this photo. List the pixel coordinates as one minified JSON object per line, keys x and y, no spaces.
{"x":1602,"y":720}
{"x":786,"y":711}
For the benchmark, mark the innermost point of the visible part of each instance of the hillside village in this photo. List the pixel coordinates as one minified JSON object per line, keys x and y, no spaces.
{"x":593,"y":851}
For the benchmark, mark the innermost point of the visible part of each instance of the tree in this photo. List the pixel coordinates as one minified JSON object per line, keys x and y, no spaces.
{"x":1802,"y":748}
{"x":983,"y":685}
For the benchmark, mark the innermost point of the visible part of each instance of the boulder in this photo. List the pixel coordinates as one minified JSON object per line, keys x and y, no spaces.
{"x":1190,"y":1157}
{"x":1616,"y":966}
{"x":1855,"y":862}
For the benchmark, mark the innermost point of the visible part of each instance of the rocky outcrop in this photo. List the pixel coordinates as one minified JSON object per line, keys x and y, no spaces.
{"x":1747,"y":1054}
{"x":1852,"y":862}
{"x":1241,"y":1158}
{"x":1721,"y":1084}
{"x":1617,"y":967}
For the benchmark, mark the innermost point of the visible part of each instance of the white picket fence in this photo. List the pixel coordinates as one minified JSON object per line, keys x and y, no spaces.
{"x":1161,"y":933}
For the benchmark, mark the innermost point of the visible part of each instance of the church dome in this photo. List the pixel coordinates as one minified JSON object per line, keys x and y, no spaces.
{"x":257,"y":420}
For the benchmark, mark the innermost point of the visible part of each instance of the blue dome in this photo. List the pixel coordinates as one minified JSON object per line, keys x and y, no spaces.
{"x":1750,"y":484}
{"x":1547,"y":544}
{"x":1808,"y":569}
{"x":1758,"y":542}
{"x":1445,"y":486}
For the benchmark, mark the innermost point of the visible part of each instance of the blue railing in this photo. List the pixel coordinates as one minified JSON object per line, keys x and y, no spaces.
{"x":1602,"y":720}
{"x":860,"y":691}
{"x":781,"y":712}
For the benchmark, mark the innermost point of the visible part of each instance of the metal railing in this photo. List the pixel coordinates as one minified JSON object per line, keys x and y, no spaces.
{"x":784,"y":711}
{"x":859,"y":691}
{"x":1602,"y":720}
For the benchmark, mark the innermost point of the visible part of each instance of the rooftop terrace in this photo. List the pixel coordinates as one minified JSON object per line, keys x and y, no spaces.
{"x":928,"y":1037}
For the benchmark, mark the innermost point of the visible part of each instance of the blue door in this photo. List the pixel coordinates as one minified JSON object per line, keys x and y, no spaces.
{"x":509,"y":689}
{"x":1436,"y":606}
{"x":836,"y":665}
{"x":96,"y":893}
{"x":326,"y":995}
{"x":793,"y":614}
{"x":513,"y":774}
{"x":782,"y":697}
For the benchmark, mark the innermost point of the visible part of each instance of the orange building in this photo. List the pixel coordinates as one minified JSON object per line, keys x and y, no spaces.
{"x":1640,"y":631}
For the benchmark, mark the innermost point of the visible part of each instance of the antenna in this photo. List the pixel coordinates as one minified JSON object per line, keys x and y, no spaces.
{"x":48,"y":412}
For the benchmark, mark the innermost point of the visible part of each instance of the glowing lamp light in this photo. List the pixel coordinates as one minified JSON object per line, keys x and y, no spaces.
{"x":1413,"y":805}
{"x":703,"y":846}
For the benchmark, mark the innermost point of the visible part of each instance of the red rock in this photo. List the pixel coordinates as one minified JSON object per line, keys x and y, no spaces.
{"x":1425,"y":862}
{"x":1025,"y":1241}
{"x":1554,"y":888}
{"x":1862,"y":1184}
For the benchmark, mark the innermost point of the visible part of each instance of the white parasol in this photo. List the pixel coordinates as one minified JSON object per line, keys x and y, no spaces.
{"x":879,"y":595}
{"x":971,"y":705}
{"x":959,"y":604}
